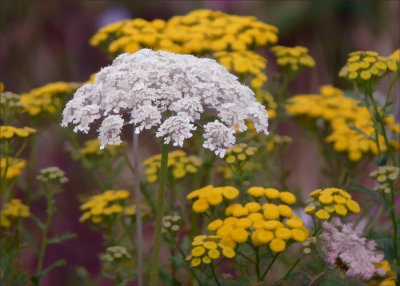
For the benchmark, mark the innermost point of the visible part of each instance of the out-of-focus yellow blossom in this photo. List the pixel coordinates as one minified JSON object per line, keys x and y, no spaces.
{"x":1,"y":86}
{"x":365,"y":66}
{"x":395,"y":56}
{"x":388,"y":280}
{"x":239,"y":154}
{"x":352,"y":128}
{"x":279,"y":141}
{"x":179,"y":164}
{"x":207,"y":248}
{"x":331,"y":202}
{"x":198,"y":32}
{"x":108,"y":204}
{"x":9,"y":132}
{"x":267,"y":99}
{"x":211,"y":196}
{"x":386,"y":176}
{"x":13,"y":210}
{"x":12,"y":167}
{"x":293,"y":59}
{"x":92,"y":148}
{"x":48,"y":98}
{"x":245,"y":63}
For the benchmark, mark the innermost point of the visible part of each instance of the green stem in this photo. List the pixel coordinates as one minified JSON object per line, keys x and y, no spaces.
{"x":269,"y":266}
{"x":290,"y":270}
{"x":214,"y":274}
{"x":159,"y":214}
{"x":256,"y":250}
{"x":45,"y":233}
{"x":139,"y":219}
{"x":280,"y":102}
{"x":242,"y":270}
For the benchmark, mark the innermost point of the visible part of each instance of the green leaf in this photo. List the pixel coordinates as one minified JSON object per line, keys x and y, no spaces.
{"x":61,"y":238}
{"x":37,"y":221}
{"x":58,"y":263}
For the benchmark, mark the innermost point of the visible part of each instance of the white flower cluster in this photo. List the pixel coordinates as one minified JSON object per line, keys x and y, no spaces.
{"x":169,"y":92}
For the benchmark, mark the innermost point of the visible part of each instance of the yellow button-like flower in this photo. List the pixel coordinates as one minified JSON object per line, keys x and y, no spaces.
{"x":224,"y":230}
{"x":200,"y":206}
{"x":310,"y":209}
{"x":195,"y":262}
{"x":287,"y":198}
{"x":261,"y":237}
{"x":340,"y":209}
{"x":239,"y":235}
{"x":214,"y":225}
{"x":325,"y":199}
{"x":298,"y":235}
{"x":353,"y":206}
{"x":227,"y":242}
{"x":277,"y":245}
{"x":253,"y":207}
{"x":285,"y":210}
{"x":198,"y":251}
{"x":240,"y":211}
{"x":256,"y":191}
{"x":271,"y":224}
{"x":271,"y":211}
{"x":283,"y":233}
{"x":322,"y":214}
{"x":339,"y":199}
{"x":210,"y":245}
{"x":230,"y":193}
{"x":271,"y":193}
{"x":214,"y":198}
{"x":244,"y":223}
{"x":255,"y":216}
{"x":294,"y":222}
{"x":228,"y":252}
{"x":214,"y":253}
{"x":206,"y":259}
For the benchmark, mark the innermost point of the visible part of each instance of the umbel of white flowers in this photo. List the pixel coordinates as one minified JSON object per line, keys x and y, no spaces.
{"x":170,"y":92}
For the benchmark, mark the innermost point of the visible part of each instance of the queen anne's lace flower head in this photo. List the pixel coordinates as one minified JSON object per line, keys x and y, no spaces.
{"x":346,"y":246}
{"x":169,"y":92}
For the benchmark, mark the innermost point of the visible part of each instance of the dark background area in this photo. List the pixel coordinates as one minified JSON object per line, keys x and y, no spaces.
{"x":47,"y":41}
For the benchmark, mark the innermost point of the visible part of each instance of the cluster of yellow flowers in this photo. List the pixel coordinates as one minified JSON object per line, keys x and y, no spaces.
{"x":265,"y":223}
{"x":244,"y":63}
{"x":13,"y":165}
{"x":198,"y":32}
{"x":351,"y":124}
{"x":237,"y":158}
{"x":92,"y":148}
{"x":279,"y":141}
{"x":365,"y":66}
{"x":386,"y":176}
{"x":179,"y":163}
{"x":239,"y":153}
{"x":293,"y":59}
{"x":206,"y":248}
{"x":330,"y":202}
{"x":211,"y":196}
{"x":9,"y":132}
{"x":47,"y":98}
{"x":13,"y":210}
{"x":110,"y":203}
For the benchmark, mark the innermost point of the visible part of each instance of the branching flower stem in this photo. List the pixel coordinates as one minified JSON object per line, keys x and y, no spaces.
{"x":159,"y":214}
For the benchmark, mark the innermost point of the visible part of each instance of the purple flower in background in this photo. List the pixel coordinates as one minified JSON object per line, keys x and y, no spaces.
{"x":346,"y":247}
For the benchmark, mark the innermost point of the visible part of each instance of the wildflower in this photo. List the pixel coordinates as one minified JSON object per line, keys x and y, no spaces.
{"x":92,"y":148}
{"x":364,"y":66}
{"x":108,"y":206}
{"x":345,"y":246}
{"x":52,"y":175}
{"x":330,"y":201}
{"x":11,"y":167}
{"x":277,"y":245}
{"x":208,"y":248}
{"x":179,"y":163}
{"x":128,"y":86}
{"x":12,"y":211}
{"x":10,"y":132}
{"x":171,"y":224}
{"x":386,"y":176}
{"x":389,"y":279}
{"x":198,"y":32}
{"x":48,"y":98}
{"x":116,"y":253}
{"x":293,"y":59}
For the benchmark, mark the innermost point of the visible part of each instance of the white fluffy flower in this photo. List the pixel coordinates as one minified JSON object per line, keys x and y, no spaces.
{"x":168,"y":92}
